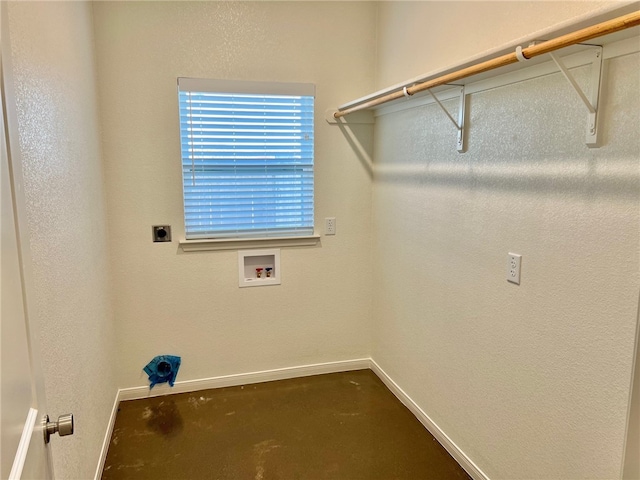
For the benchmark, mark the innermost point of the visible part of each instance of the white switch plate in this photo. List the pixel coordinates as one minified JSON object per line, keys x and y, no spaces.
{"x":513,"y":269}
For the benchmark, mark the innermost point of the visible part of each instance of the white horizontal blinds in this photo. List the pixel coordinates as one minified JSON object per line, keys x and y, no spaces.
{"x":247,"y":161}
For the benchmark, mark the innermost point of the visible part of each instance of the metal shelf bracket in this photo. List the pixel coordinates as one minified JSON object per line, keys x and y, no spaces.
{"x":591,"y":101}
{"x":460,"y":124}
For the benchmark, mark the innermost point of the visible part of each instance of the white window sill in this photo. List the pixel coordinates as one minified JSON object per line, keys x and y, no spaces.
{"x":240,"y":244}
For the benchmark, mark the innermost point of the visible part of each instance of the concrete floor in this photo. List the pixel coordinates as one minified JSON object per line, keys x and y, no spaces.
{"x":339,"y":426}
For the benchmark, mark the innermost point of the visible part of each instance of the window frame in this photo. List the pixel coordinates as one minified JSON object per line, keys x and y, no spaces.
{"x":186,"y":84}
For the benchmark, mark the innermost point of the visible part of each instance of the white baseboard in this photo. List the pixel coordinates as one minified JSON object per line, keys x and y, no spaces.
{"x":460,"y":457}
{"x":107,"y":437}
{"x":187,"y":386}
{"x":243,"y":379}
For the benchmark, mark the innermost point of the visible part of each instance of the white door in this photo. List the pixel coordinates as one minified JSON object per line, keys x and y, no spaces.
{"x":22,"y":403}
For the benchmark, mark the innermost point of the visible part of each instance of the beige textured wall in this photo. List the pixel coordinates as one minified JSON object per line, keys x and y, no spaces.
{"x":631,"y":470}
{"x":54,"y":73}
{"x":190,"y":304}
{"x":415,"y":38}
{"x":530,"y":381}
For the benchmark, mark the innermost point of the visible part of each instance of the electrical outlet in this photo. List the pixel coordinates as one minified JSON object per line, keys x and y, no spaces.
{"x":330,"y":226}
{"x":513,"y":270}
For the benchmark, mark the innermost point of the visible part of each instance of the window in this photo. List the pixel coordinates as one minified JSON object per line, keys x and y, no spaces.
{"x":247,"y":158}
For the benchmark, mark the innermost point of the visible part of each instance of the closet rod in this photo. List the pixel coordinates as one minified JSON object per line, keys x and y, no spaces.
{"x":604,"y":28}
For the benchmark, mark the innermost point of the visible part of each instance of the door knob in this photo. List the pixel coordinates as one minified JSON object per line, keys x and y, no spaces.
{"x":64,"y":426}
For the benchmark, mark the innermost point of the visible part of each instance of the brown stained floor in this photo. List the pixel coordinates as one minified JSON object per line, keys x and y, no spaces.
{"x":343,"y":426}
